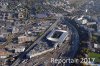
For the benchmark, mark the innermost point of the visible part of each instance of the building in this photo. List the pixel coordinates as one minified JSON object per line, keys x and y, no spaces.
{"x":15,"y":48}
{"x":58,"y":15}
{"x":1,"y":35}
{"x":91,"y":64}
{"x":20,"y":15}
{"x":22,"y":39}
{"x":97,"y":46}
{"x":15,"y":30}
{"x":31,"y":53}
{"x":57,"y":36}
{"x":4,"y":54}
{"x":91,"y":23}
{"x":2,"y":38}
{"x":41,"y":16}
{"x":19,"y":49}
{"x":3,"y":6}
{"x":84,"y":21}
{"x":3,"y":61}
{"x":34,"y":53}
{"x":6,"y":16}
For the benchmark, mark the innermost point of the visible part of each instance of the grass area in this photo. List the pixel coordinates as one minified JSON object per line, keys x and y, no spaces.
{"x":94,"y":55}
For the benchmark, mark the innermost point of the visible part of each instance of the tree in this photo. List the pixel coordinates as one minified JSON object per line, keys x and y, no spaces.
{"x":94,"y":38}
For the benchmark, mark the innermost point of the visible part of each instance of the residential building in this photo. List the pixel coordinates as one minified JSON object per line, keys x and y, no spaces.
{"x":15,"y":48}
{"x":41,"y":16}
{"x":22,"y":39}
{"x":15,"y":30}
{"x":96,"y":46}
{"x":4,"y":54}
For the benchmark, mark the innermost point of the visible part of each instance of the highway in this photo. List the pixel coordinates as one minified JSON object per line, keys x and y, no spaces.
{"x":74,"y":45}
{"x":20,"y":58}
{"x":74,"y":41}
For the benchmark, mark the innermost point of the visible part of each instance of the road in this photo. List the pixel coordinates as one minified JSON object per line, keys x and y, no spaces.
{"x":74,"y":41}
{"x":73,"y":47}
{"x":20,"y":58}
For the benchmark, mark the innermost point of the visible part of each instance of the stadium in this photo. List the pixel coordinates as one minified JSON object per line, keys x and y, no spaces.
{"x":57,"y":36}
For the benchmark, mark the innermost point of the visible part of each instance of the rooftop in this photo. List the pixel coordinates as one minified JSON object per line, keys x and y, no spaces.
{"x":3,"y":53}
{"x":57,"y":35}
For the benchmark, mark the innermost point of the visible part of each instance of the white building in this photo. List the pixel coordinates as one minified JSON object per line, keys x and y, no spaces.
{"x":20,"y":49}
{"x":84,"y":21}
{"x":96,"y":46}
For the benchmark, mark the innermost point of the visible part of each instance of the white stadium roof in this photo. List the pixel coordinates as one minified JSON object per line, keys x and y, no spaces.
{"x":57,"y":35}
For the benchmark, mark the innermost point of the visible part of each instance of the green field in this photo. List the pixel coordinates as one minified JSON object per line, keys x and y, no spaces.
{"x":94,"y":55}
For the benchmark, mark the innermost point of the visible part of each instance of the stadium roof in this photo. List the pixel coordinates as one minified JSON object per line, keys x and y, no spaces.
{"x":57,"y":35}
